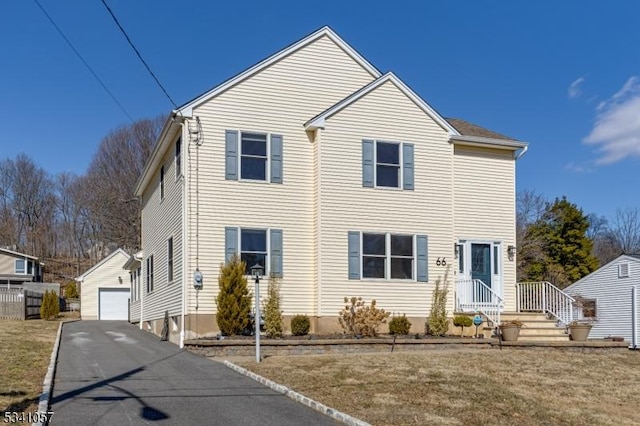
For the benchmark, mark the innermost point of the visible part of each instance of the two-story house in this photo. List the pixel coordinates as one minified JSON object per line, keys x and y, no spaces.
{"x":337,"y":178}
{"x":17,"y":268}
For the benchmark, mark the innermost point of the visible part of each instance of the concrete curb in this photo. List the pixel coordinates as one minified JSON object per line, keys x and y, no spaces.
{"x":298,"y":397}
{"x":47,"y":386}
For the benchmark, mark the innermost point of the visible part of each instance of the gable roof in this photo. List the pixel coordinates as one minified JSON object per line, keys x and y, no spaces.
{"x":187,"y":108}
{"x":623,"y":256}
{"x":469,"y":129}
{"x":319,"y":120}
{"x":102,"y":262}
{"x":16,"y":254}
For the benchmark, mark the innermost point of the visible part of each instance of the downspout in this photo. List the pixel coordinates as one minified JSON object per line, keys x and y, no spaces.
{"x":185,"y":241}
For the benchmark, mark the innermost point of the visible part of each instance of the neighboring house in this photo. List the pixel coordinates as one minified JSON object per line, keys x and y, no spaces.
{"x":606,"y":295}
{"x":335,"y":177}
{"x":17,"y":268}
{"x":105,"y":289}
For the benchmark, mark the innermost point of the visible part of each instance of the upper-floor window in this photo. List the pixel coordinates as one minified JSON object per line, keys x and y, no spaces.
{"x":170,"y":259}
{"x":21,"y":266}
{"x":253,"y":156}
{"x":179,"y":157}
{"x":387,"y":164}
{"x":162,"y":183}
{"x":149,"y":271}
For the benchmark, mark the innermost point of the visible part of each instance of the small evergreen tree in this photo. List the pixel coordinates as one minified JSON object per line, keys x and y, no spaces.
{"x":272,"y":314}
{"x":438,"y":323}
{"x":50,"y":307}
{"x":71,"y":291}
{"x":234,"y":298}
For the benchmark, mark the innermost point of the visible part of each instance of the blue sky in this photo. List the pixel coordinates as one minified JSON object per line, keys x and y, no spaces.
{"x":563,"y":76}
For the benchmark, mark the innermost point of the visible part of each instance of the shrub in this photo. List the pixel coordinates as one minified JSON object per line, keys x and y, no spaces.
{"x":399,"y":325}
{"x":462,"y":321}
{"x":272,"y":315}
{"x":438,"y":323}
{"x":50,"y":307}
{"x":300,"y":325}
{"x":234,"y":298}
{"x":71,"y":291}
{"x":359,"y":319}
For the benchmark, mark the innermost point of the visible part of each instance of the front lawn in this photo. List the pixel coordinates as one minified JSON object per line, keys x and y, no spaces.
{"x":468,"y":386}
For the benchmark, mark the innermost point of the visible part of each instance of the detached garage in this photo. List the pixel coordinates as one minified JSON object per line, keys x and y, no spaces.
{"x":105,"y":289}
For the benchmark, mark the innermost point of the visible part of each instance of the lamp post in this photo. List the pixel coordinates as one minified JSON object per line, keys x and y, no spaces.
{"x":256,"y":272}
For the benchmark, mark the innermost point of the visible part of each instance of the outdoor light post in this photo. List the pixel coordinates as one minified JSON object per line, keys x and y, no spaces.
{"x":256,"y":271}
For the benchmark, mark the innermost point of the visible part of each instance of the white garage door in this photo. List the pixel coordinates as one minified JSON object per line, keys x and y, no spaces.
{"x":114,"y":304}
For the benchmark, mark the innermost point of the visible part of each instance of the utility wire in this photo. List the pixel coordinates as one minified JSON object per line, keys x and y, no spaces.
{"x":104,"y":86}
{"x":138,"y":53}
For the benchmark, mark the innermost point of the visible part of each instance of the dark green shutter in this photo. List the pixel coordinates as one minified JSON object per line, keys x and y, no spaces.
{"x":276,"y":159}
{"x":407,"y":166}
{"x":231,"y":152}
{"x":367,"y":163}
{"x":230,"y":242}
{"x":422,"y":246}
{"x":276,"y":252}
{"x":354,"y":255}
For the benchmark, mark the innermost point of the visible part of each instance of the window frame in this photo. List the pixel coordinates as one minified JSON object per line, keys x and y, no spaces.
{"x":170,"y":260}
{"x":267,"y":253}
{"x":267,"y":157}
{"x":388,"y":256}
{"x":376,"y":163}
{"x":23,"y":269}
{"x":149,"y":274}
{"x":178,"y":157}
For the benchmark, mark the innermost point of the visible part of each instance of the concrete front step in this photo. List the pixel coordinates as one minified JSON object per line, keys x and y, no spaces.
{"x":537,"y":327}
{"x":544,"y":338}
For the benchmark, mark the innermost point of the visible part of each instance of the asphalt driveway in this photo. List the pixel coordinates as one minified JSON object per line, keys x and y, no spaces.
{"x":111,"y":373}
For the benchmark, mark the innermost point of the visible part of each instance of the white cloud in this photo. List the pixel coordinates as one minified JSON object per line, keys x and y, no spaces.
{"x":578,"y":168}
{"x":616,"y":132}
{"x":574,"y":90}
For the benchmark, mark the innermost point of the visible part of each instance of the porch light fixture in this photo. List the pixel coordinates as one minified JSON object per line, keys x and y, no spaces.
{"x":256,"y":272}
{"x":511,"y":251}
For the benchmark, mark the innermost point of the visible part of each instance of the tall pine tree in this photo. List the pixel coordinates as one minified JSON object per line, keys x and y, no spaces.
{"x":558,"y":248}
{"x":234,"y":298}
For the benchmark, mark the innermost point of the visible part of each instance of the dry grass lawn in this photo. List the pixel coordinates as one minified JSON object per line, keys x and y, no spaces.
{"x":468,"y":387}
{"x":25,"y":352}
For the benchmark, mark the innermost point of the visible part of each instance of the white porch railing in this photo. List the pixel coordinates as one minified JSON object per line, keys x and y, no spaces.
{"x":545,"y":297}
{"x":473,"y":295}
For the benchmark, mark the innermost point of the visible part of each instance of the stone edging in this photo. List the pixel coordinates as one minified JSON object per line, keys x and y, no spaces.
{"x":298,"y":397}
{"x":47,"y":386}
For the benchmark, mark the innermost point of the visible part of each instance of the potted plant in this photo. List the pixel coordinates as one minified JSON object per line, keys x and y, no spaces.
{"x":510,"y":330}
{"x":579,"y":330}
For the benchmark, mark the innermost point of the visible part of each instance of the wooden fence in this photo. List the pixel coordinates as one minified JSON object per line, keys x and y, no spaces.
{"x":18,"y":304}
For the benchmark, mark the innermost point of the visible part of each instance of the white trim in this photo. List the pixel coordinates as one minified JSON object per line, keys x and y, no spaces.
{"x":15,"y":253}
{"x":186,"y":270}
{"x":387,"y":256}
{"x":267,"y":168}
{"x":97,"y":265}
{"x":400,"y":146}
{"x":489,"y":142}
{"x":319,"y":121}
{"x":187,"y":109}
{"x":497,"y":280}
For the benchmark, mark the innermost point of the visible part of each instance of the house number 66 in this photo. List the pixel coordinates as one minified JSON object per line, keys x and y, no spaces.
{"x":442,"y":262}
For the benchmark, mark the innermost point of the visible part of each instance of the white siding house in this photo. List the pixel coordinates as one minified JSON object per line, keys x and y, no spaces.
{"x":609,"y":288}
{"x":105,"y":289}
{"x":334,"y":176}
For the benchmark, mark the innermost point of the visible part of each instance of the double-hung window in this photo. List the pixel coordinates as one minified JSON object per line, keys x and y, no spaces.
{"x":253,"y":156}
{"x":255,"y":246}
{"x":150,"y":274}
{"x":387,"y":256}
{"x":20,"y":266}
{"x":161,"y":183}
{"x":178,"y":157}
{"x":170,"y":259}
{"x":387,"y":164}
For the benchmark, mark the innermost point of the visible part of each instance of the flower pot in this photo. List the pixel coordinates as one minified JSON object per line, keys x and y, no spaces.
{"x":580,"y":332}
{"x":509,"y":333}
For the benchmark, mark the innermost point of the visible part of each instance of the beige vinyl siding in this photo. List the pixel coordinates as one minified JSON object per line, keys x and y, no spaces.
{"x":484,"y":204}
{"x":7,"y":264}
{"x":278,"y":100}
{"x":384,"y":114}
{"x":104,"y":275}
{"x":162,"y":219}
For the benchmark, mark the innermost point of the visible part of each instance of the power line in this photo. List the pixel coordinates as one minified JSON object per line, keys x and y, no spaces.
{"x":138,"y":53}
{"x":104,"y":86}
